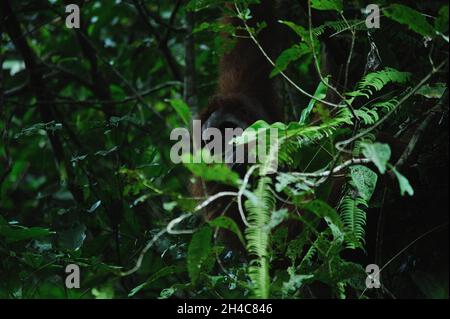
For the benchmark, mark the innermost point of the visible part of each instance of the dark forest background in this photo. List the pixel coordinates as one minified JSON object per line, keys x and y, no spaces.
{"x":86,"y":177}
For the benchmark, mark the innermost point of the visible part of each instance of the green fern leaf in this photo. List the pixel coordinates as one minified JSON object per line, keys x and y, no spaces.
{"x":340,"y":26}
{"x":376,"y":81}
{"x":354,"y":219}
{"x":258,"y":238}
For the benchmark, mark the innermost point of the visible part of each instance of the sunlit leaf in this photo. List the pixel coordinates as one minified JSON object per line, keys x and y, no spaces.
{"x":378,"y":153}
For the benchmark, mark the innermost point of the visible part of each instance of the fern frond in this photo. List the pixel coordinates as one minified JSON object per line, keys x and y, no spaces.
{"x":258,"y":238}
{"x":297,"y":136}
{"x":319,"y":248}
{"x":307,"y":259}
{"x":386,"y":106}
{"x":354,"y":219}
{"x":288,"y":151}
{"x":375,"y":81}
{"x":367,"y":116}
{"x":340,"y":26}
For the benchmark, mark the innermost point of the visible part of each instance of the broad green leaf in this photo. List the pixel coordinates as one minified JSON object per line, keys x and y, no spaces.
{"x":415,"y":20}
{"x":365,"y":181}
{"x":251,"y":133}
{"x":15,"y":234}
{"x":229,"y":224}
{"x":105,"y":291}
{"x":197,"y":5}
{"x":325,"y":211}
{"x":14,"y":66}
{"x":215,"y":27}
{"x":378,"y":153}
{"x":288,"y":56}
{"x":322,"y":210}
{"x":217,"y":172}
{"x":295,"y":283}
{"x":295,"y":246}
{"x":276,"y":218}
{"x":432,"y":91}
{"x":405,"y":186}
{"x":327,"y":5}
{"x":441,"y":23}
{"x":198,"y":251}
{"x":303,"y":33}
{"x":321,"y":93}
{"x":182,"y":110}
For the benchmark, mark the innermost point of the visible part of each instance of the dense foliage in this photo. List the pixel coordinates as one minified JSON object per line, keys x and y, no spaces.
{"x":86,"y":177}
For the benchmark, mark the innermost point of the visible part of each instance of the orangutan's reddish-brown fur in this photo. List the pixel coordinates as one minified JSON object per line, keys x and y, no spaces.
{"x":244,"y":86}
{"x":245,"y":90}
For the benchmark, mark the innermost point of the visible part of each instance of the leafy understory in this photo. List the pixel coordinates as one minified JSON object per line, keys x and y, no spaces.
{"x":86,"y":176}
{"x":376,"y":95}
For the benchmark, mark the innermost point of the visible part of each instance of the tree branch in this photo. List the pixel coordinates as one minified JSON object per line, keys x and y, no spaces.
{"x":37,"y":84}
{"x":190,"y":90}
{"x":342,"y":144}
{"x":354,"y":161}
{"x":409,"y":150}
{"x":162,"y":45}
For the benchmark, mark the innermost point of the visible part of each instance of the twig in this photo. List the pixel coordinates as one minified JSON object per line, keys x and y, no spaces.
{"x":420,"y":131}
{"x":316,"y":63}
{"x":127,"y":83}
{"x":241,"y":192}
{"x":354,"y":161}
{"x":380,"y":231}
{"x":269,"y":59}
{"x":13,"y":28}
{"x":162,"y":45}
{"x":142,"y":254}
{"x":116,"y":102}
{"x":71,"y":75}
{"x":172,"y":19}
{"x":214,"y":198}
{"x":6,"y":123}
{"x":350,"y":55}
{"x":170,"y":230}
{"x":190,"y":90}
{"x":16,"y":90}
